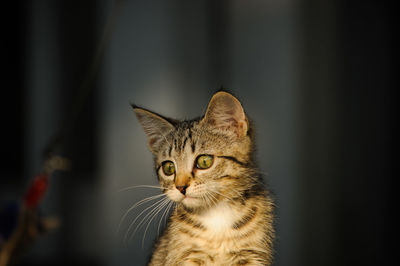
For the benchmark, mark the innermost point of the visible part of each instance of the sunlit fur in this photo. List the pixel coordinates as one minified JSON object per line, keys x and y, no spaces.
{"x":225,"y":216}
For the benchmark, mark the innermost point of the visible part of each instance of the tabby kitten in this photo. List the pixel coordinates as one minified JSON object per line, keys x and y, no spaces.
{"x":223,"y":215}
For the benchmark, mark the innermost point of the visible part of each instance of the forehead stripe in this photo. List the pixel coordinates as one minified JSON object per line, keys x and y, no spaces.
{"x":170,"y":150}
{"x":193,"y":146}
{"x":190,"y":134}
{"x":184,"y":144}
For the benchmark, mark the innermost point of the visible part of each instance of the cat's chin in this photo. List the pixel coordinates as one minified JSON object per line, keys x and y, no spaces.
{"x":192,"y":202}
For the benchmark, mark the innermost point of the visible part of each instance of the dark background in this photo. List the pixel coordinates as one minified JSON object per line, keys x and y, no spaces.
{"x":317,"y":77}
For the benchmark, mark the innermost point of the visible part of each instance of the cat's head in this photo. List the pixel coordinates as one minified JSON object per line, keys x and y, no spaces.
{"x":203,"y":161}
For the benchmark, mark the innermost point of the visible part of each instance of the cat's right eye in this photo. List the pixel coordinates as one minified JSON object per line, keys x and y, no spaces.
{"x":168,"y":168}
{"x":204,"y":161}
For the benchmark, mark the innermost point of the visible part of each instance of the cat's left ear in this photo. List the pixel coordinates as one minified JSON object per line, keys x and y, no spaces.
{"x":225,"y":112}
{"x":155,"y":126}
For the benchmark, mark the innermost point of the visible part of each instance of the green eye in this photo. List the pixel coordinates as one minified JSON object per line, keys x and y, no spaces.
{"x":204,"y":161}
{"x":168,"y":168}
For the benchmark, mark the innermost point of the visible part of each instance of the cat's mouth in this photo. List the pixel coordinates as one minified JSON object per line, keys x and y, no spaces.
{"x":188,"y":197}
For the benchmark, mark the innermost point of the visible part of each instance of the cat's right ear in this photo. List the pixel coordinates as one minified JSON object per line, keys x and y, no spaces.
{"x":154,"y":125}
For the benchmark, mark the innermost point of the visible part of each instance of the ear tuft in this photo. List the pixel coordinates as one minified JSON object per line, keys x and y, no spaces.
{"x":154,"y":125}
{"x":225,"y":112}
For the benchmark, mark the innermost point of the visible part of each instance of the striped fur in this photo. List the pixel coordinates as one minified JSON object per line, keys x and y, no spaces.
{"x":225,"y":216}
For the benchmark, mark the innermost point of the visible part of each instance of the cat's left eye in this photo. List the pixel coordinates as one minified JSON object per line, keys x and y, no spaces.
{"x":168,"y":167}
{"x":204,"y":161}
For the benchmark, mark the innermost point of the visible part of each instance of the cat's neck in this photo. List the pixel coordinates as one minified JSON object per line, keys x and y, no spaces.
{"x":217,"y":219}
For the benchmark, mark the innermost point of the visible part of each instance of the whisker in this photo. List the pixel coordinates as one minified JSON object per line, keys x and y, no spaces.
{"x":239,"y":194}
{"x":213,"y":198}
{"x":170,"y":209}
{"x":203,"y":197}
{"x":140,"y":186}
{"x":130,"y":226}
{"x":216,"y":192}
{"x":168,"y":212}
{"x":233,"y":190}
{"x":142,"y":201}
{"x":208,"y":199}
{"x":148,"y":224}
{"x":262,"y":172}
{"x":149,"y":215}
{"x":256,"y":177}
{"x":163,"y":215}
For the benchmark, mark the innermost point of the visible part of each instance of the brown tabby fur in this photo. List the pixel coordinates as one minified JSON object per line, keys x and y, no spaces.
{"x":225,"y":216}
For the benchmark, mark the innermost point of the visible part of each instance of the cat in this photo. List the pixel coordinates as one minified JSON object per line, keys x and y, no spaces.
{"x":223,"y":213}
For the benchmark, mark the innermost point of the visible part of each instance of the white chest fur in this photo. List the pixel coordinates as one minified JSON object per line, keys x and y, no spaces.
{"x":219,"y":219}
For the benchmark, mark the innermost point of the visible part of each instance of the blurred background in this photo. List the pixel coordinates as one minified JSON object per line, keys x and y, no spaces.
{"x":317,"y":78}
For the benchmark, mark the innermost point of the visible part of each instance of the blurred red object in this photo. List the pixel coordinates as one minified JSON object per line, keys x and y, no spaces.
{"x":36,"y":191}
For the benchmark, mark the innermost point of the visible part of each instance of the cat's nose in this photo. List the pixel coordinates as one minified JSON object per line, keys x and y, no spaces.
{"x":182,"y":189}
